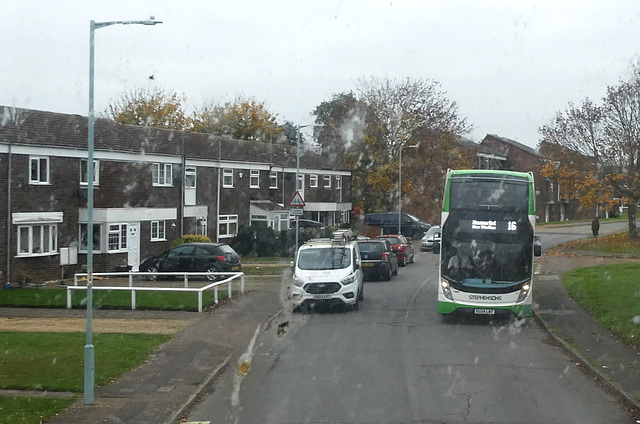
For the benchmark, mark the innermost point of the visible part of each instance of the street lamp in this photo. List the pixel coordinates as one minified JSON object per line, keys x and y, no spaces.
{"x":298,"y":137}
{"x":89,"y":364}
{"x":400,"y":188}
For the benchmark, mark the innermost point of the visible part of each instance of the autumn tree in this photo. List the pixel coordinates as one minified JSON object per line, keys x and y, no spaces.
{"x":241,"y":120}
{"x":597,"y":153}
{"x":366,"y":129}
{"x":149,"y":108}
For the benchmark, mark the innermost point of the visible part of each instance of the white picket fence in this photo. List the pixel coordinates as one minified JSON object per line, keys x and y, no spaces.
{"x":229,"y":278}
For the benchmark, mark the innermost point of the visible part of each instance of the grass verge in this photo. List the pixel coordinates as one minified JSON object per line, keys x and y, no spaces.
{"x":23,"y":410}
{"x":57,"y":298}
{"x":611,"y":294}
{"x":615,"y":243}
{"x":55,"y":361}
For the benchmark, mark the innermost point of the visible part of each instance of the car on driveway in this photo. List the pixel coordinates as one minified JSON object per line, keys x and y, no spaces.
{"x":378,"y":259}
{"x":401,"y":246}
{"x":194,"y":257}
{"x":432,"y":235}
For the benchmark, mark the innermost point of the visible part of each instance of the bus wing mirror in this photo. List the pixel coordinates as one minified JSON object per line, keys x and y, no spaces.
{"x":436,"y":247}
{"x":537,"y":246}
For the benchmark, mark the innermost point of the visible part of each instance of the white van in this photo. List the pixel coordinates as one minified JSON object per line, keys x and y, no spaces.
{"x":328,"y":271}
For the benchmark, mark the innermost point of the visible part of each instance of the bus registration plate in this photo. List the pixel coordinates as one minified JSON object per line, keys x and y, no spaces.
{"x":484,"y":311}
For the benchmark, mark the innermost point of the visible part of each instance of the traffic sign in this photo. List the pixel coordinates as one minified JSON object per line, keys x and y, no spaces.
{"x":297,"y":200}
{"x":296,"y":212}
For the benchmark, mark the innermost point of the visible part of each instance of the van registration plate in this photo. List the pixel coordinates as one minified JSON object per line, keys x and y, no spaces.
{"x":484,"y":311}
{"x":322,"y":296}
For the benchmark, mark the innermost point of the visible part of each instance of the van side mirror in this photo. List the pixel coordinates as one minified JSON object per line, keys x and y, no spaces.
{"x":436,"y":247}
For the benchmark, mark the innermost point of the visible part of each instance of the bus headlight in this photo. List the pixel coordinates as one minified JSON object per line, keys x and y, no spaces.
{"x":446,"y":290}
{"x":524,"y":292}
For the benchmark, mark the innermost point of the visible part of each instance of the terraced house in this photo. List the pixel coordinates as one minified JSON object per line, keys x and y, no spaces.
{"x":150,"y":187}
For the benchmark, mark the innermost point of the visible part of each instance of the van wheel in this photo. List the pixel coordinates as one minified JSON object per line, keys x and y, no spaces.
{"x":361,"y":293}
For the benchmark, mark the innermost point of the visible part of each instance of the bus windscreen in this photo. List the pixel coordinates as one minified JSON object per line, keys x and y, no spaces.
{"x":488,"y":194}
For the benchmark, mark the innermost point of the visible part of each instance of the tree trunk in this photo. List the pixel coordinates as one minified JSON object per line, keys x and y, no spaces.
{"x":633,"y":232}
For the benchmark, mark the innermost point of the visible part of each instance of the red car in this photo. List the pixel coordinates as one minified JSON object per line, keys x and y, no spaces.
{"x":401,"y":246}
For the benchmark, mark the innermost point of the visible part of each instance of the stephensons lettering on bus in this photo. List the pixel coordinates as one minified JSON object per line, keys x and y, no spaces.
{"x":484,"y":297}
{"x":484,"y":225}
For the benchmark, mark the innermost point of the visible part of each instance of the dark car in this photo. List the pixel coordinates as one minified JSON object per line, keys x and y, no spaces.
{"x":378,"y":259}
{"x":194,"y":257}
{"x":410,"y":226}
{"x":401,"y":246}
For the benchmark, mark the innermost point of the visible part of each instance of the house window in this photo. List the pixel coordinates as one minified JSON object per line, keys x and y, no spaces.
{"x":227,"y":226}
{"x":284,"y":221}
{"x":338,"y":182}
{"x":259,"y":221}
{"x":313,"y":181}
{"x":190,"y":177}
{"x":117,"y":237}
{"x":37,"y":240}
{"x":162,"y":174}
{"x":254,"y":179}
{"x":227,"y":178}
{"x":273,"y":179}
{"x":39,"y":170}
{"x":158,"y":231}
{"x":83,"y":172}
{"x":96,"y":237}
{"x":327,"y":181}
{"x":300,"y":186}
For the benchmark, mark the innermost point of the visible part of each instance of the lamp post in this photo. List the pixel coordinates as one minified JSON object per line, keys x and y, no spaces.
{"x":298,"y":137}
{"x":400,"y":188}
{"x":89,"y":364}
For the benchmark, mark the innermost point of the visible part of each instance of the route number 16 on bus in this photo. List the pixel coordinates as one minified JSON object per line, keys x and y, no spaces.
{"x":487,"y":243}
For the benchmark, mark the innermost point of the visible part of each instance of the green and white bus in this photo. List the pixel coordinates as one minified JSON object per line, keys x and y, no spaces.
{"x":487,"y":243}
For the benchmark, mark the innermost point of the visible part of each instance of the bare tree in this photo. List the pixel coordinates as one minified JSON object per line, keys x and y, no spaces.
{"x":402,"y":107}
{"x":598,"y":148}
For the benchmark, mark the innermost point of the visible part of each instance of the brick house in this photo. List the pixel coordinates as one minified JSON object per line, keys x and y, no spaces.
{"x":150,"y":187}
{"x":552,"y":204}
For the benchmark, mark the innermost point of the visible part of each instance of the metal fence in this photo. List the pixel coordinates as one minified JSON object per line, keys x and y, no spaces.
{"x":226,"y":278}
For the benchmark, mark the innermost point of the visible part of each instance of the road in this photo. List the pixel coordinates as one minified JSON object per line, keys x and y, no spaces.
{"x":396,"y":361}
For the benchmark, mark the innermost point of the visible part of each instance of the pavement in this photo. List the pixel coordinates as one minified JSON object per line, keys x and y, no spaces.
{"x":164,"y":388}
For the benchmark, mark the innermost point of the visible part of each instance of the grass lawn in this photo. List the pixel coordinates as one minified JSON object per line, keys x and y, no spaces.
{"x":616,"y":243}
{"x":55,"y":361}
{"x":57,"y":298}
{"x":20,"y":410}
{"x":611,"y":293}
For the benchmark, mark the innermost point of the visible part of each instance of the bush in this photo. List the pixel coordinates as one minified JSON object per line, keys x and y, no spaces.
{"x":245,"y":240}
{"x":266,"y":243}
{"x":191,"y":238}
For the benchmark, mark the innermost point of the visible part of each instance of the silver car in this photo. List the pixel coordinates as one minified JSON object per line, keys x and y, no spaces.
{"x":433,"y":234}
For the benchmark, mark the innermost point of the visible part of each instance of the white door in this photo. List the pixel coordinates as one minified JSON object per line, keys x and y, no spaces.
{"x":133,"y":244}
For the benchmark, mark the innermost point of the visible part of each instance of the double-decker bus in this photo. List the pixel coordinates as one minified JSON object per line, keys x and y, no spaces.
{"x":487,"y":243}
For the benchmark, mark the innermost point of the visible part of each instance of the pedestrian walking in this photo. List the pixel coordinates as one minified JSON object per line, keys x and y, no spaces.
{"x":595,"y":226}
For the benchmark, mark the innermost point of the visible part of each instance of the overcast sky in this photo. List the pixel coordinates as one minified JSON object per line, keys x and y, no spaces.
{"x":509,"y":65}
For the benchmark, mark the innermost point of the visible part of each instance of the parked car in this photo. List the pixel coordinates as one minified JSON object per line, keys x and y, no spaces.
{"x":378,"y":259}
{"x":410,"y":226}
{"x":401,"y":246}
{"x":432,"y":235}
{"x":194,"y":257}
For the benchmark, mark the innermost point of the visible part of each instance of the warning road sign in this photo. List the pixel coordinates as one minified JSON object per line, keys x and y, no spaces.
{"x":297,"y":200}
